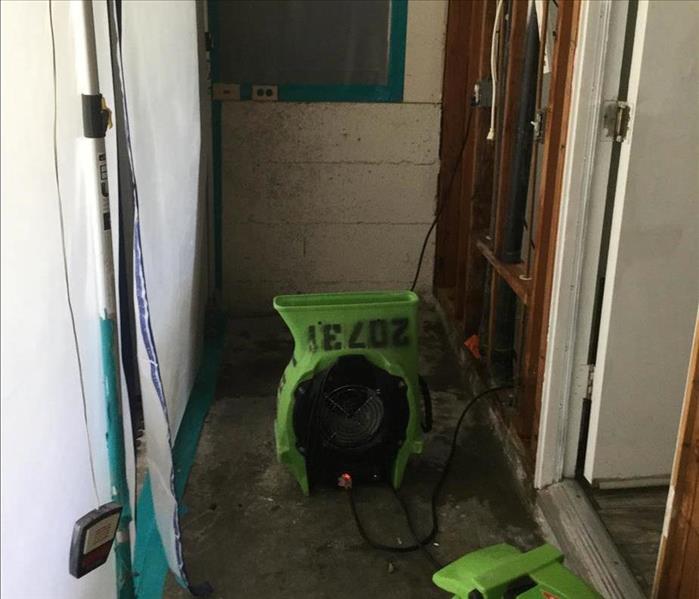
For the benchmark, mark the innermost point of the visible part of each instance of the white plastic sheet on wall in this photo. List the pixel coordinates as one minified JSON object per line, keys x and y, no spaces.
{"x":161,"y":75}
{"x":161,"y":81}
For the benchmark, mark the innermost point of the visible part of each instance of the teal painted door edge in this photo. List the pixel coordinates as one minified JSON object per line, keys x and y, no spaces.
{"x":150,"y":566}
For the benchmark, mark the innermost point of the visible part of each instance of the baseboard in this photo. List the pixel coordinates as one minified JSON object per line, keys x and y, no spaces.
{"x":632,"y":483}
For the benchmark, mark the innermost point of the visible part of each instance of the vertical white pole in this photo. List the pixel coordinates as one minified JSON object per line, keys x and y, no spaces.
{"x":95,"y":118}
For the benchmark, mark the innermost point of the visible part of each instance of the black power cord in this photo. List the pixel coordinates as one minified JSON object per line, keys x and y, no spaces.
{"x":444,"y":197}
{"x":420,"y":544}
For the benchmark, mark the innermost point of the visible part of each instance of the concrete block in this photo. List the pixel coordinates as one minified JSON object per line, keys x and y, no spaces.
{"x":254,"y":251}
{"x":329,"y":193}
{"x":376,"y":253}
{"x":264,"y":260}
{"x":330,"y":132}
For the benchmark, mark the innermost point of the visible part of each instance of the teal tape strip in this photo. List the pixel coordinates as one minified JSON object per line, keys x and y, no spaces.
{"x":396,"y":57}
{"x":116,"y":455}
{"x":150,"y":564}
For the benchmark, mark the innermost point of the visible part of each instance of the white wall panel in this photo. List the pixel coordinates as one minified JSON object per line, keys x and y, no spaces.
{"x":46,"y":481}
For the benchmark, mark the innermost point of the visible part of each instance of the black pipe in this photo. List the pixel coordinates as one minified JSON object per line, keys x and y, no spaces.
{"x":522,"y":150}
{"x":502,"y":344}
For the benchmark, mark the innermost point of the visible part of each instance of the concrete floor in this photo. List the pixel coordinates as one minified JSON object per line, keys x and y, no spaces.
{"x":251,"y":533}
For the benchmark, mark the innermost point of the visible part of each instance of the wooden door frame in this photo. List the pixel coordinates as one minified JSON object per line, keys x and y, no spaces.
{"x":577,"y":251}
{"x":676,"y":574}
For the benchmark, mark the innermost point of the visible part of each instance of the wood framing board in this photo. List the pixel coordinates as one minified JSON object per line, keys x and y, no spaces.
{"x":455,"y":100}
{"x":580,"y":534}
{"x":548,"y":202}
{"x":478,"y":8}
{"x":678,"y":561}
{"x":505,"y":137}
{"x":513,"y":274}
{"x":510,"y":100}
{"x":480,"y":193}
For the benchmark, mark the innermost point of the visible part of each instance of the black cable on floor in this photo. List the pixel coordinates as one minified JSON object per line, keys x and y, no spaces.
{"x":420,"y":544}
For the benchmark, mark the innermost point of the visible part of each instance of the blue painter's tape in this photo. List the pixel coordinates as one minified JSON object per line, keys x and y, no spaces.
{"x":116,"y":454}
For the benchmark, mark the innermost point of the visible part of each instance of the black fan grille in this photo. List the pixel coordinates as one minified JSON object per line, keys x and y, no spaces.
{"x":351,"y":416}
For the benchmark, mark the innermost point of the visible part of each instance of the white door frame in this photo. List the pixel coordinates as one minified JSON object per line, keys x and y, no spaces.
{"x":596,"y":78}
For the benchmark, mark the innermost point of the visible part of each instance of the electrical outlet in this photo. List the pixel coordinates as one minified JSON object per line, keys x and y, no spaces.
{"x":483,"y":93}
{"x":265,"y":93}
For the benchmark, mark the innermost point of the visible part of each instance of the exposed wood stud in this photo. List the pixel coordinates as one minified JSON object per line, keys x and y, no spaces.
{"x":548,"y":202}
{"x":455,"y":97}
{"x":505,"y":145}
{"x":478,"y":38}
{"x":514,"y":275}
{"x":483,"y":175}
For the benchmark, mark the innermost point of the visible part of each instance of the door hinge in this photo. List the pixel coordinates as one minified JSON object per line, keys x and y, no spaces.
{"x":617,"y":115}
{"x":590,"y":381}
{"x":539,"y":124}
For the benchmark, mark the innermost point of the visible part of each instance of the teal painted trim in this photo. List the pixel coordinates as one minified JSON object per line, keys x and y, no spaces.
{"x":116,"y":451}
{"x":150,"y":564}
{"x":396,"y":53}
{"x":391,"y":92}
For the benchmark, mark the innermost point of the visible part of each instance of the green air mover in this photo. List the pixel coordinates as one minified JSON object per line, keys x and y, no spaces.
{"x":348,"y":402}
{"x":503,"y":572}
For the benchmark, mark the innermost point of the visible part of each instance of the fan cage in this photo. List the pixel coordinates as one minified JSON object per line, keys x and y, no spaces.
{"x":351,"y":417}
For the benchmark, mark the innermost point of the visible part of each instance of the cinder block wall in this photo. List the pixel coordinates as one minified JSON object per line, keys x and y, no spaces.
{"x":334,"y":196}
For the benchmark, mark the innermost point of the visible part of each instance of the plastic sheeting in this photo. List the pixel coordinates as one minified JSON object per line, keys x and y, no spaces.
{"x":160,"y":75}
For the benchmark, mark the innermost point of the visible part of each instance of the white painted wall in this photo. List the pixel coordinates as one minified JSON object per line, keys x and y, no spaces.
{"x":334,"y":196}
{"x":46,"y":481}
{"x":652,"y":286}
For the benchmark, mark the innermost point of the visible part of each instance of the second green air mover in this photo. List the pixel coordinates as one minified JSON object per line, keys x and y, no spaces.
{"x":349,"y":401}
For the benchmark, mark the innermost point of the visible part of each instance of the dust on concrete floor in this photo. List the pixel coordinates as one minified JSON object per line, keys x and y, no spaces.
{"x":634,"y":519}
{"x":250,"y":531}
